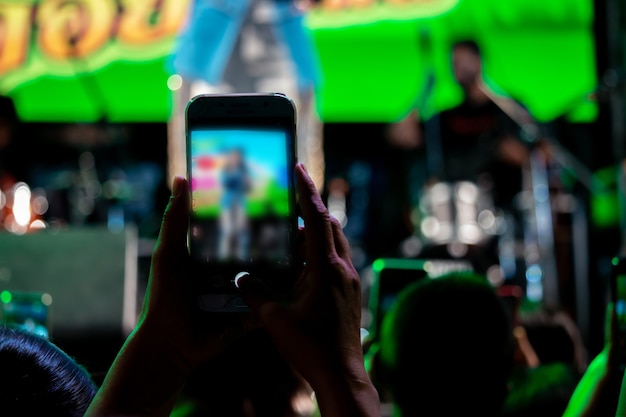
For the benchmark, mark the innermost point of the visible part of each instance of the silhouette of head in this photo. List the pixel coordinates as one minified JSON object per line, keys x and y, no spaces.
{"x":466,"y":62}
{"x":39,"y":379}
{"x":446,"y":348}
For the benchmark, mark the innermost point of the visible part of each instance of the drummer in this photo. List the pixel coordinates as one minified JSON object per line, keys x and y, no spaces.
{"x":478,"y":141}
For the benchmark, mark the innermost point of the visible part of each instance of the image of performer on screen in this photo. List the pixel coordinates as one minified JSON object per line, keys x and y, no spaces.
{"x":235,"y":182}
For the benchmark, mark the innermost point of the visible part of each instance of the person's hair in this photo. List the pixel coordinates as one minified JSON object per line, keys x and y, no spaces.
{"x":447,"y":346}
{"x":40,"y":379}
{"x":468,"y":44}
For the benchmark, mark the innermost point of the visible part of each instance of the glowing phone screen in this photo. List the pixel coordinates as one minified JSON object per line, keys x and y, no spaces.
{"x":240,"y":194}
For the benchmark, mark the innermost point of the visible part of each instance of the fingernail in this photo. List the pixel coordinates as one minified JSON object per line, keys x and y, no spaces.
{"x":301,"y":165}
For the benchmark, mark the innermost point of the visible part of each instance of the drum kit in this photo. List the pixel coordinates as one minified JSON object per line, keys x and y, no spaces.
{"x":459,"y":220}
{"x":513,"y":245}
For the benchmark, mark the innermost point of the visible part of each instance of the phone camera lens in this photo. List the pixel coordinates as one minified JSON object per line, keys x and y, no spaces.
{"x":239,"y":276}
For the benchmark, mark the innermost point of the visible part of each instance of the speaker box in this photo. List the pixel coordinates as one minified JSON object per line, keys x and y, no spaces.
{"x":90,"y":273}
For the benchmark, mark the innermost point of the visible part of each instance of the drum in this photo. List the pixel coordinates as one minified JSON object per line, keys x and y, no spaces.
{"x":460,"y":212}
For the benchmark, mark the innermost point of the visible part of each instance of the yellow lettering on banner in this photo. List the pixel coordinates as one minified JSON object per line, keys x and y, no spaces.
{"x":346,"y":4}
{"x":360,"y":3}
{"x":332,"y":4}
{"x":74,"y":28}
{"x":144,"y":21}
{"x":415,"y":2}
{"x":14,"y":35}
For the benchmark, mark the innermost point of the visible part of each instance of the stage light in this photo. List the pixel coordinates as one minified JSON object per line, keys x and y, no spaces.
{"x":457,"y":249}
{"x":21,"y":204}
{"x":411,"y":247}
{"x":337,"y":208}
{"x":534,"y":292}
{"x":531,"y":253}
{"x":430,"y":227}
{"x":440,"y":193}
{"x":38,"y":224}
{"x":467,"y":192}
{"x":446,"y":231}
{"x":533,"y":273}
{"x":174,"y":82}
{"x":495,"y":275}
{"x":46,"y":299}
{"x":6,"y":297}
{"x":487,"y":220}
{"x":470,"y":233}
{"x":40,"y":204}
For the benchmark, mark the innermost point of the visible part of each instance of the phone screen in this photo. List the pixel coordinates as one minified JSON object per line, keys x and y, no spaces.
{"x":239,"y":180}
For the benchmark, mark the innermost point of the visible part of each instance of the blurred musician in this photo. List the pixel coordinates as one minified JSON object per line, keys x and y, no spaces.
{"x":477,"y":137}
{"x":477,"y":143}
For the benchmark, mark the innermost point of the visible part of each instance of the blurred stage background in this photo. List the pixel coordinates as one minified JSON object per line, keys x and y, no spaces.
{"x":94,"y":132}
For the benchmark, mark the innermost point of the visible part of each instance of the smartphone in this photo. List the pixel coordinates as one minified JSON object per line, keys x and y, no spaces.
{"x":241,"y":154}
{"x":392,"y":275}
{"x":618,"y":295}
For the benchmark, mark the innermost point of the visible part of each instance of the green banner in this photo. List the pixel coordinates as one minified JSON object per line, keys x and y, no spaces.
{"x":88,"y":59}
{"x":540,"y":52}
{"x":83,"y":60}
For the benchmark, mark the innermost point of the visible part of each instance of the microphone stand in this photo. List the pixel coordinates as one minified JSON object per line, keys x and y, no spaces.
{"x":540,"y":231}
{"x":95,"y":93}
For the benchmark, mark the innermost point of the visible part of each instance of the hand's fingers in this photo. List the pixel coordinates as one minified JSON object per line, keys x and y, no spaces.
{"x":526,"y":349}
{"x":173,"y":234}
{"x":318,"y":230}
{"x":341,"y":243}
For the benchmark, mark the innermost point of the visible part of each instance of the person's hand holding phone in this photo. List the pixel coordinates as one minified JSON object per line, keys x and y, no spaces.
{"x":170,"y":308}
{"x":171,"y":338}
{"x":319,"y":331}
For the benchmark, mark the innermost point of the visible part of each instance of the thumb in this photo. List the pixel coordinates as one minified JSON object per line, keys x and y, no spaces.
{"x":254,"y":292}
{"x":261,"y":300}
{"x":173,"y":234}
{"x":275,"y":316}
